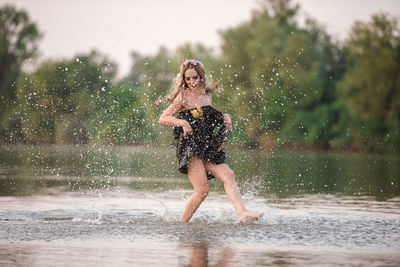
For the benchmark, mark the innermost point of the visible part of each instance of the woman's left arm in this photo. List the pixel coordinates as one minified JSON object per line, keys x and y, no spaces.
{"x":228,"y":122}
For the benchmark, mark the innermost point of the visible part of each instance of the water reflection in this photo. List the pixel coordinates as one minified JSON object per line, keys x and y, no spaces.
{"x":132,"y":227}
{"x":150,"y":253}
{"x":199,"y":256}
{"x":119,"y":206}
{"x":26,"y":170}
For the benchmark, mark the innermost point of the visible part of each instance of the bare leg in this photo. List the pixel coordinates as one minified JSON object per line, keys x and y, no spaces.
{"x":198,"y":178}
{"x":227,"y":176}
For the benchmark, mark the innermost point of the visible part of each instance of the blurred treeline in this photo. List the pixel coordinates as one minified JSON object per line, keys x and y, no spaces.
{"x":285,"y":85}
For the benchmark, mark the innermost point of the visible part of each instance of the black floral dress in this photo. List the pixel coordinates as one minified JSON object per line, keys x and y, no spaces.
{"x":207,"y":140}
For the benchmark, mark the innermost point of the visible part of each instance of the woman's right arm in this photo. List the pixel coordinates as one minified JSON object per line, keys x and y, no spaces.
{"x":167,"y":118}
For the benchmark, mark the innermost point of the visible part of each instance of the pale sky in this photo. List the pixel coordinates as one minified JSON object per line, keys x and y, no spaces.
{"x":118,"y":27}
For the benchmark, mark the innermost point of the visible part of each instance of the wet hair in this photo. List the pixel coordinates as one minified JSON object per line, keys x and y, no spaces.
{"x":179,"y":83}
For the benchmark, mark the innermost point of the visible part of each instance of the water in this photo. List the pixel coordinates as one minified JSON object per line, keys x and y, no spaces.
{"x":119,"y":206}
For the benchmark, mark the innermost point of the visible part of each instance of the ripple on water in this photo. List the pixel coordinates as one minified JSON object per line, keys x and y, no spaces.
{"x":133,"y":216}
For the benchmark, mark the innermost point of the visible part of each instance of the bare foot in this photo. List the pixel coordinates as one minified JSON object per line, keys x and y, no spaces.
{"x":249,"y":216}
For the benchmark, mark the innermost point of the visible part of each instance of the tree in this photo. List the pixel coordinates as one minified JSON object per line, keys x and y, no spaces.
{"x":285,"y":74}
{"x":119,"y":116}
{"x":370,"y":88}
{"x":18,"y":42}
{"x":57,"y":103}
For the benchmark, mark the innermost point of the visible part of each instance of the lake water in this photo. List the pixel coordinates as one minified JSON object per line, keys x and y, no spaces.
{"x":119,"y":206}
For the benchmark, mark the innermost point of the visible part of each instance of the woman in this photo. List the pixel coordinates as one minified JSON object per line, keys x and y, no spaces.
{"x":200,"y":130}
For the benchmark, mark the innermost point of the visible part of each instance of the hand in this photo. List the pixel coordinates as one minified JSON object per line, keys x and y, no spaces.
{"x":187,"y":129}
{"x":227,"y":122}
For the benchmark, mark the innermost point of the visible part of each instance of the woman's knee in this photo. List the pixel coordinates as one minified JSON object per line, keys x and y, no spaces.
{"x":203,"y":191}
{"x":229,"y":176}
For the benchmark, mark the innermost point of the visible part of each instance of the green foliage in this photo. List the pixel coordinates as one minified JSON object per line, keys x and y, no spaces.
{"x":371,"y":86}
{"x":56,"y":100}
{"x":285,"y":85}
{"x":285,"y":74}
{"x":18,"y":42}
{"x":120,"y":117}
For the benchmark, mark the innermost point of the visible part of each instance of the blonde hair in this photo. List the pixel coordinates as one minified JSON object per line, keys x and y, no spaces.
{"x":179,"y":83}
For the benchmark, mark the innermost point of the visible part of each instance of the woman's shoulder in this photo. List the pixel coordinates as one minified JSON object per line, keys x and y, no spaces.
{"x":178,"y":101}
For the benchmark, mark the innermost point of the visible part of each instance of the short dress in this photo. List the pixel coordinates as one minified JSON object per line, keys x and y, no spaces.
{"x":207,"y":140}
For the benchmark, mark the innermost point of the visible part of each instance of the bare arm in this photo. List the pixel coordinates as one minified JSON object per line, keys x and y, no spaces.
{"x":167,"y":118}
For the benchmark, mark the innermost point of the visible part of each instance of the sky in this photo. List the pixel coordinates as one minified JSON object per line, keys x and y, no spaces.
{"x":119,"y":27}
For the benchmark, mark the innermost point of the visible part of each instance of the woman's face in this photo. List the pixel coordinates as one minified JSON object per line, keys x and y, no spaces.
{"x":192,"y":79}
